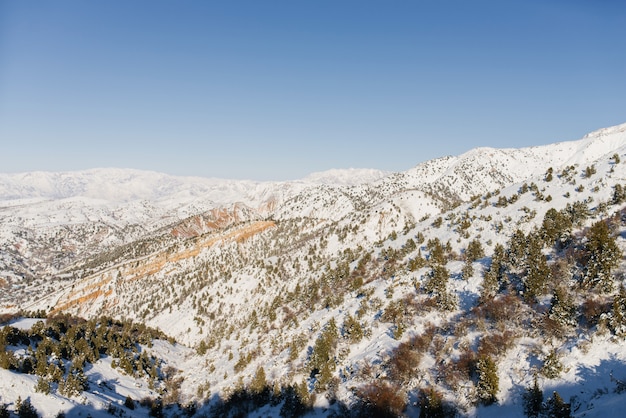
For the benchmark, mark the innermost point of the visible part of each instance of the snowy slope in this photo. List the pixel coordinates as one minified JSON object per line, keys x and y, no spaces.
{"x":227,"y":264}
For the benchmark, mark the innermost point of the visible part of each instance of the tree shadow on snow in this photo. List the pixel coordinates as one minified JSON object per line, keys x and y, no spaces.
{"x":599,"y":391}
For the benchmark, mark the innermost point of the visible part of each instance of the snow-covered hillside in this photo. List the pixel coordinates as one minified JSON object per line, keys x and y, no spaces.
{"x":374,"y":269}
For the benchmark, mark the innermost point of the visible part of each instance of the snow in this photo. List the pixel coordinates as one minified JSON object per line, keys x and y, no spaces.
{"x":24,"y":323}
{"x":346,"y":177}
{"x":124,"y":205}
{"x":106,"y":387}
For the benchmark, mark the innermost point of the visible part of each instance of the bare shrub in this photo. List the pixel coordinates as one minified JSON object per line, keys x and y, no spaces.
{"x":593,"y":308}
{"x":382,"y":399}
{"x":496,"y":344}
{"x":505,"y":308}
{"x":404,"y":362}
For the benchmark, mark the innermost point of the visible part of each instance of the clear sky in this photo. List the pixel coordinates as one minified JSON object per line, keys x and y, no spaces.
{"x":275,"y":90}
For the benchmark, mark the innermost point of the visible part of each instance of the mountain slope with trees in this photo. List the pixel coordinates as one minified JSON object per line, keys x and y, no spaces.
{"x":477,"y":285}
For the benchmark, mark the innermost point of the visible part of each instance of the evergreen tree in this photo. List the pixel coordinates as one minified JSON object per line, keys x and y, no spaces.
{"x":41,"y":369}
{"x":322,"y":360}
{"x":8,"y":360}
{"x":74,"y":384}
{"x":619,"y":194}
{"x":468,"y":270}
{"x":437,"y":252}
{"x":474,"y":250}
{"x":431,"y":404}
{"x":615,"y":158}
{"x":42,"y":386}
{"x":418,"y":262}
{"x":488,"y":380}
{"x":577,"y":212}
{"x":516,"y":253}
{"x":557,"y":408}
{"x":259,"y":382}
{"x":25,"y":409}
{"x":536,"y":270}
{"x":437,"y":285}
{"x":617,"y":318}
{"x":293,"y":405}
{"x":552,"y":366}
{"x":437,"y":279}
{"x":129,"y":403}
{"x":602,"y":256}
{"x":563,"y":309}
{"x":494,"y":276}
{"x":556,"y":228}
{"x":352,"y":329}
{"x":490,"y":286}
{"x":533,"y":400}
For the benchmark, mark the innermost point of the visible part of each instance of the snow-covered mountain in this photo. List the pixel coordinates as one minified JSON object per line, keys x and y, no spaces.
{"x":255,"y":274}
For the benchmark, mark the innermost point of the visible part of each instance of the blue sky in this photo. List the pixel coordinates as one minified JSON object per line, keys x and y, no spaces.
{"x":274,"y":90}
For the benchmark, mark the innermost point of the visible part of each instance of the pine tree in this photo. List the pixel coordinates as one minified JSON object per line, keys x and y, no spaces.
{"x":25,"y":409}
{"x":42,"y":386}
{"x":617,"y":318}
{"x":437,"y":285}
{"x":468,"y":270}
{"x":590,"y":171}
{"x":8,"y":360}
{"x":552,"y":366}
{"x":431,"y":404}
{"x":322,"y":360}
{"x":603,"y":255}
{"x":533,"y":400}
{"x":259,"y":382}
{"x":437,"y":254}
{"x":555,"y":228}
{"x":437,"y":279}
{"x":474,"y":250}
{"x":577,"y":212}
{"x":418,"y":262}
{"x":516,"y":254}
{"x":615,"y":158}
{"x":294,"y":405}
{"x":488,"y":380}
{"x":494,"y":276}
{"x":619,"y":194}
{"x":129,"y":403}
{"x":303,"y":394}
{"x":74,"y":384}
{"x":563,"y":309}
{"x":490,"y":286}
{"x":352,"y":329}
{"x":557,"y":408}
{"x":536,"y":270}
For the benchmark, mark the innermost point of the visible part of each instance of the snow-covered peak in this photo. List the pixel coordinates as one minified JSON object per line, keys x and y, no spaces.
{"x":611,"y":130}
{"x":346,"y":177}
